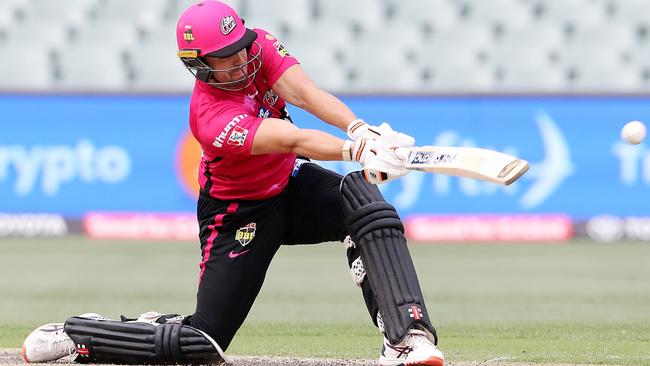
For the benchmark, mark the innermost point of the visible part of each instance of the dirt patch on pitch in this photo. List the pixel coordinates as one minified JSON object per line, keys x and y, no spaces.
{"x":11,"y":357}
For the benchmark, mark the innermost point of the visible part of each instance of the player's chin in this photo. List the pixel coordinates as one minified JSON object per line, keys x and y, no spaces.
{"x":242,"y":80}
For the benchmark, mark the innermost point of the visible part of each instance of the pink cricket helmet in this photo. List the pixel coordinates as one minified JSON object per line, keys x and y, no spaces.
{"x":211,"y":28}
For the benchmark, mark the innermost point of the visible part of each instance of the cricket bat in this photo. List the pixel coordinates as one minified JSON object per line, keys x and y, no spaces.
{"x":471,"y":162}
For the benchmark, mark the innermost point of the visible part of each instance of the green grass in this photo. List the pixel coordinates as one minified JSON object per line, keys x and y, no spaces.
{"x":540,"y":303}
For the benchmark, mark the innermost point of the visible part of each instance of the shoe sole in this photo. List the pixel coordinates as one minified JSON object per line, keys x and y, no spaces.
{"x":23,"y":353}
{"x":432,"y":361}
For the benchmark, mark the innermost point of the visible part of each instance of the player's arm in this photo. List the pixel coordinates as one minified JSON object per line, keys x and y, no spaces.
{"x":297,"y":88}
{"x":280,"y":136}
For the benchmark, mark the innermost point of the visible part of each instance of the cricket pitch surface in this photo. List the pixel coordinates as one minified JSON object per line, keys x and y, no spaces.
{"x":11,"y":357}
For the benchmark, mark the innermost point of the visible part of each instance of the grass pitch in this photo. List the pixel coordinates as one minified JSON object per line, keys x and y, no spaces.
{"x":580,"y":303}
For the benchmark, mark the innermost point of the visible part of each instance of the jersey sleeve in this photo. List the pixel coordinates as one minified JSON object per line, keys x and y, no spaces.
{"x":228,"y":132}
{"x":275,"y":57}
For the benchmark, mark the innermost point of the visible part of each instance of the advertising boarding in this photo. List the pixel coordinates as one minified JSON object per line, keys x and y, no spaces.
{"x":127,"y":157}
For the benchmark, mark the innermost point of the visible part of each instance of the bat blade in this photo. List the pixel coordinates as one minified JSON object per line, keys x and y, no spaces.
{"x":470,"y":162}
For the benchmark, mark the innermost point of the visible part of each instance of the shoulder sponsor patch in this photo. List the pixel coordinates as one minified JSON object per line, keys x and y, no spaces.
{"x":218,"y":141}
{"x":238,"y":136}
{"x":280,"y":49}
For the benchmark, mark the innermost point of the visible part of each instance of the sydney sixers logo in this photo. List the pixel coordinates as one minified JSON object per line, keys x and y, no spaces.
{"x":270,"y":98}
{"x":227,"y":24}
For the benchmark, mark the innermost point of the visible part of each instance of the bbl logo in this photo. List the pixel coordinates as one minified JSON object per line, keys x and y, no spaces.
{"x":188,"y":35}
{"x":245,"y":234}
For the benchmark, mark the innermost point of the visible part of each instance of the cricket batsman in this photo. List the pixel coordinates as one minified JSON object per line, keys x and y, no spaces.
{"x":259,"y":191}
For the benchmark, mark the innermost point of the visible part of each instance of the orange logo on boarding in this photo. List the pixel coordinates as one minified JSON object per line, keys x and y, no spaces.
{"x":188,"y":157}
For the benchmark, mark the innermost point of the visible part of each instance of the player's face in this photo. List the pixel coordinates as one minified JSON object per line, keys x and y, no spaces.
{"x":231,"y":69}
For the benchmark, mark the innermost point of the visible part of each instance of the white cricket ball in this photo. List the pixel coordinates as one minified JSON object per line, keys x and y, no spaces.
{"x":633,"y":132}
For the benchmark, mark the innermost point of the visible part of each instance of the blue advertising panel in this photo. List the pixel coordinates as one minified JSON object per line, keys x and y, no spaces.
{"x":70,"y":155}
{"x":73,"y":154}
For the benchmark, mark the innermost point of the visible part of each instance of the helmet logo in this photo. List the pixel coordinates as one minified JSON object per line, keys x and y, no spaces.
{"x":227,"y":24}
{"x":188,"y":36}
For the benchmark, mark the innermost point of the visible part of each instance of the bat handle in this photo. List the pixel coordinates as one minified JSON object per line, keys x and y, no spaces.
{"x":402,"y":152}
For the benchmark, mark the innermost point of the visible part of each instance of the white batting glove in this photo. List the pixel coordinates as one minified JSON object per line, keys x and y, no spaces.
{"x":380,"y":164}
{"x":358,"y":129}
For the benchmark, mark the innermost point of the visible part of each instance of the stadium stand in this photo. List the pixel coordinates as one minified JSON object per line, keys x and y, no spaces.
{"x":423,"y":15}
{"x":295,"y":14}
{"x":527,"y":55}
{"x":346,"y":46}
{"x":630,"y":11}
{"x":100,"y":68}
{"x":496,"y":12}
{"x":14,"y":74}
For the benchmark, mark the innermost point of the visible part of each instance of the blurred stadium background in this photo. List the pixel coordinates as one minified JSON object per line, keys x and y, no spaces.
{"x":424,"y":46}
{"x":94,"y":144}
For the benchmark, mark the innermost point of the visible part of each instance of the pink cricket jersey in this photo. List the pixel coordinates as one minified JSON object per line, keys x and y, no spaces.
{"x":225,"y":123}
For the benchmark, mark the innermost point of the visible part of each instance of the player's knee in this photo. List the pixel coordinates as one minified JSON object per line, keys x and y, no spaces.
{"x":217,"y":330}
{"x":364,"y":207}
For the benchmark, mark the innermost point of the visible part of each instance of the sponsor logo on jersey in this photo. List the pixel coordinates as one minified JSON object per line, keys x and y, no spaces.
{"x":227,"y":24}
{"x":188,"y":35}
{"x":264,"y":113}
{"x":246,"y":234}
{"x":270,"y":98}
{"x":218,"y":141}
{"x":280,"y":49}
{"x":233,"y":254}
{"x":238,"y":136}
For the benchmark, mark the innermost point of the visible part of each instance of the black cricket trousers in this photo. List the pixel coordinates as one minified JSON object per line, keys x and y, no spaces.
{"x":239,"y":239}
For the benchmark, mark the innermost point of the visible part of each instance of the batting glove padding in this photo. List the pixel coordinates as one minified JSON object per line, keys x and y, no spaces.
{"x":358,"y":129}
{"x":380,"y":163}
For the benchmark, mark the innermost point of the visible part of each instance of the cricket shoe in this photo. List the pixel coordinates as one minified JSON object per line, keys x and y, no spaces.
{"x":414,"y":350}
{"x":49,"y":342}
